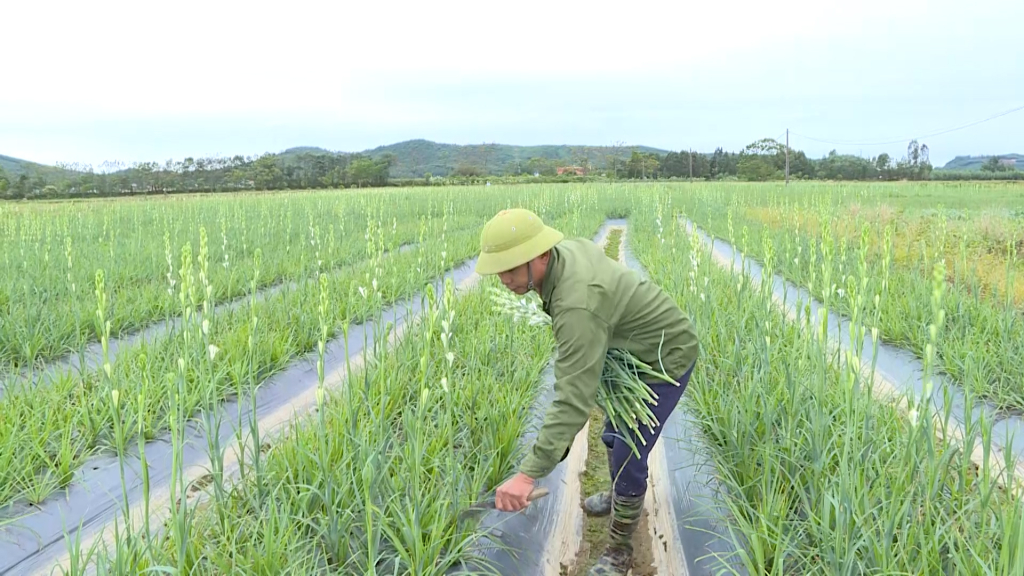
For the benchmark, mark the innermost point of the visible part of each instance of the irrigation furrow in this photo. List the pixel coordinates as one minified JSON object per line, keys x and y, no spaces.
{"x":897,"y":374}
{"x":681,"y":537}
{"x":90,"y":358}
{"x":682,"y":504}
{"x":38,"y":543}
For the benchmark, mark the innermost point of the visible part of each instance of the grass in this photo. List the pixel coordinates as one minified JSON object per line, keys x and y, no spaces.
{"x":52,"y":253}
{"x":819,"y":477}
{"x":374,"y":481}
{"x":48,"y":432}
{"x":595,"y":478}
{"x":819,"y":244}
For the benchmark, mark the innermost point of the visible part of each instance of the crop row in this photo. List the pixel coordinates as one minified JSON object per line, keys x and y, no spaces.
{"x":52,"y":252}
{"x":983,"y":340}
{"x":373,"y":482}
{"x":47,"y":305}
{"x":819,"y":477}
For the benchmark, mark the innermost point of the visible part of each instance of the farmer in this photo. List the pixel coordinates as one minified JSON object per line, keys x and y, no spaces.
{"x":595,"y":304}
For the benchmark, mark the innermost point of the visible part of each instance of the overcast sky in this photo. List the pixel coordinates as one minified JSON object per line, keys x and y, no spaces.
{"x":99,"y":80}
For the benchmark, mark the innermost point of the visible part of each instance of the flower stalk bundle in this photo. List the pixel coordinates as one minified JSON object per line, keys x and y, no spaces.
{"x":622,"y":394}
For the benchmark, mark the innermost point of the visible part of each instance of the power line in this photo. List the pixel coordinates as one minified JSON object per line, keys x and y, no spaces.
{"x":901,"y":140}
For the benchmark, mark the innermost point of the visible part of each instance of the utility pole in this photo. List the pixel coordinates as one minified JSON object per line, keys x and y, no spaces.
{"x":690,"y":156}
{"x":787,"y":156}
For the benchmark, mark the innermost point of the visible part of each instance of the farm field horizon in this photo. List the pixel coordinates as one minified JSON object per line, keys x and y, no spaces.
{"x":131,"y":325}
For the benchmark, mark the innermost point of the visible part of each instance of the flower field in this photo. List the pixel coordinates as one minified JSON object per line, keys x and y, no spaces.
{"x":817,"y":472}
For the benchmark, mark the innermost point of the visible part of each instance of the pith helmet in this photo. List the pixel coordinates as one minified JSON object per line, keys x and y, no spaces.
{"x":513,"y":238}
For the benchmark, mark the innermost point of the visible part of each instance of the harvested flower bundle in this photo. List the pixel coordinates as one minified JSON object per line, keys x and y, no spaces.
{"x":622,"y":394}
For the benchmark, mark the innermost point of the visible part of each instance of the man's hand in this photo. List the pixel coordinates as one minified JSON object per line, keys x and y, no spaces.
{"x":512,"y":495}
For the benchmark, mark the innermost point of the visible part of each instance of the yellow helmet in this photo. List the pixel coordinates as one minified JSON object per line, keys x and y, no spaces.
{"x":513,"y":238}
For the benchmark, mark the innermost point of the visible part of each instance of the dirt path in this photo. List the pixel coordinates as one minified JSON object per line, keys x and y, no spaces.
{"x":595,"y":478}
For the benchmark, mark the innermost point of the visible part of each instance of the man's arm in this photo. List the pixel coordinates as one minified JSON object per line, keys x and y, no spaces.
{"x":582,"y":341}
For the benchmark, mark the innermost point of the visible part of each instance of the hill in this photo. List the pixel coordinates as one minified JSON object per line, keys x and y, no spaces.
{"x":17,"y":166}
{"x":414,"y":158}
{"x":975,"y":162}
{"x":300,"y":150}
{"x":14,"y":167}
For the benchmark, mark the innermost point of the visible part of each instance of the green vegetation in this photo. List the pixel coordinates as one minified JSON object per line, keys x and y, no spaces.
{"x":820,"y":474}
{"x":375,"y":480}
{"x":818,"y":232}
{"x":421,"y":162}
{"x":47,"y":307}
{"x":49,"y":445}
{"x":416,"y":158}
{"x":978,"y":162}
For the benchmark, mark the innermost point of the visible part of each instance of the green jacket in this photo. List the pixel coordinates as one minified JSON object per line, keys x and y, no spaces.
{"x":595,"y":304}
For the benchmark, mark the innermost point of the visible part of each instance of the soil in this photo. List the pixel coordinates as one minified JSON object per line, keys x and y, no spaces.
{"x":595,"y":530}
{"x":643,"y":550}
{"x":595,"y":478}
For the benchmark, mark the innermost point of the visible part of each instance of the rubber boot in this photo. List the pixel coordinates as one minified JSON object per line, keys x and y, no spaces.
{"x":600,"y":504}
{"x":617,"y":559}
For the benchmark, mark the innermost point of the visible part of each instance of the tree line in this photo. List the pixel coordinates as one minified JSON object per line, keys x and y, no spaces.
{"x":237,"y":173}
{"x":762,"y":160}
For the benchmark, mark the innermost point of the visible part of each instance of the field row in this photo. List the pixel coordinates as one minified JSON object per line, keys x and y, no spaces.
{"x":52,"y":254}
{"x":889,"y":264}
{"x":818,"y":475}
{"x":376,"y":477}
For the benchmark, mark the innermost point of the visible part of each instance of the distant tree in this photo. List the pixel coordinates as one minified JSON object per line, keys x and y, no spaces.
{"x":468,"y":170}
{"x":266,"y":174}
{"x":614,"y":162}
{"x":995,"y":164}
{"x":837,"y":166}
{"x":883,"y":163}
{"x":580,"y":156}
{"x":674,"y":165}
{"x":542,"y":166}
{"x":643,"y":165}
{"x":759,"y":160}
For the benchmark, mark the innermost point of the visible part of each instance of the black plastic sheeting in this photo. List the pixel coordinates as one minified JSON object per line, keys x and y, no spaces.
{"x":694,"y":491}
{"x":94,"y":498}
{"x":90,"y":358}
{"x":516,"y":543}
{"x":900,"y":367}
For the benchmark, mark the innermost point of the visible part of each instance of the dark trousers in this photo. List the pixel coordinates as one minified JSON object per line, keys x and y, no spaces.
{"x":629,"y":472}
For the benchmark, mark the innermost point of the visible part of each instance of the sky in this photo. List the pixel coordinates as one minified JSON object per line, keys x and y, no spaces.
{"x":148,"y":81}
